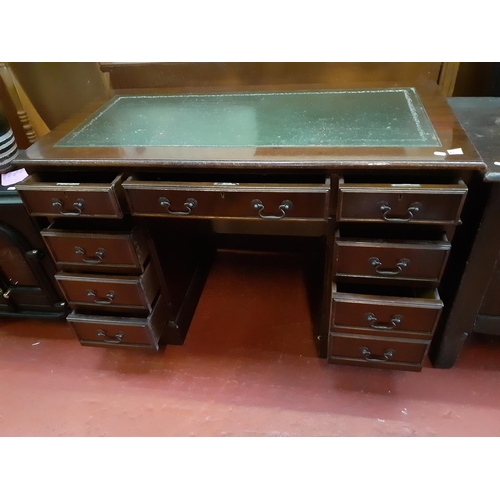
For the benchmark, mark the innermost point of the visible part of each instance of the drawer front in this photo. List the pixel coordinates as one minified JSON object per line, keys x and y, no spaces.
{"x":120,"y":331}
{"x":429,"y":204}
{"x":110,"y":292}
{"x":98,"y":252}
{"x":382,"y":314}
{"x":83,"y":200}
{"x":112,"y":334}
{"x":243,"y":201}
{"x":415,"y":261}
{"x":376,"y":351}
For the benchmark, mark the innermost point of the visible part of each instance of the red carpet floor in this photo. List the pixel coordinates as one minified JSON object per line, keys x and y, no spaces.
{"x":248,"y":367}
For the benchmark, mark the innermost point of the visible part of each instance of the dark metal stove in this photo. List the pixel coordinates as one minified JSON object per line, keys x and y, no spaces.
{"x":27,"y":286}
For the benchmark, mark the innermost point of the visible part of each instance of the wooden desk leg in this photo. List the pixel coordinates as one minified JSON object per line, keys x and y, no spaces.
{"x":478,"y":272}
{"x":324,"y":327}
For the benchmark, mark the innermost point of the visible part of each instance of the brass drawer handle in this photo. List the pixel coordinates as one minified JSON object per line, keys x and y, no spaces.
{"x":109,"y":297}
{"x":285,"y":205}
{"x":100,"y":253}
{"x":386,"y":209}
{"x":79,"y":205}
{"x":402,"y":264}
{"x":387,"y":356}
{"x":190,"y":203}
{"x":372,"y":319}
{"x":110,"y":340}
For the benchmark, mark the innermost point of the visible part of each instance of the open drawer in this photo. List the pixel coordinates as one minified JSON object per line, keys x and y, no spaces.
{"x":378,"y":352}
{"x":72,"y":195}
{"x":93,"y":249}
{"x":384,"y":310}
{"x":400,"y":260}
{"x":265,"y":197}
{"x":110,"y":292}
{"x":97,"y":330}
{"x":400,"y":202}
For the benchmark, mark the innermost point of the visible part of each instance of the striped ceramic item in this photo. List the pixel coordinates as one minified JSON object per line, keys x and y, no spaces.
{"x":8,"y":146}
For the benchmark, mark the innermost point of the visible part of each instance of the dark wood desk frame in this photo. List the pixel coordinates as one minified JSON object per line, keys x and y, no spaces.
{"x":384,"y":164}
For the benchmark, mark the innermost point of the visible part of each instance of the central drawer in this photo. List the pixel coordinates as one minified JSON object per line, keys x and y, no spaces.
{"x":221,"y":198}
{"x":110,"y":292}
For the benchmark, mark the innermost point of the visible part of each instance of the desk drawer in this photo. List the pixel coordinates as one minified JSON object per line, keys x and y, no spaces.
{"x":121,"y":331}
{"x":410,"y":261}
{"x":52,"y":195}
{"x":380,"y":352}
{"x":401,"y":203}
{"x":88,"y":251}
{"x":242,"y":200}
{"x":380,"y":310}
{"x":110,"y":292}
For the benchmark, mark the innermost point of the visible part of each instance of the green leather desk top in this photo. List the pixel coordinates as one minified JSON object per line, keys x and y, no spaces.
{"x":340,"y":118}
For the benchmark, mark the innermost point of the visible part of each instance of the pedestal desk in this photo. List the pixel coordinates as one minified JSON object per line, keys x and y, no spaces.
{"x":134,"y":196}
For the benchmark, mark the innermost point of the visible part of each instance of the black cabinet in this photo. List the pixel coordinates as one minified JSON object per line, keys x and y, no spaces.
{"x":27,"y":286}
